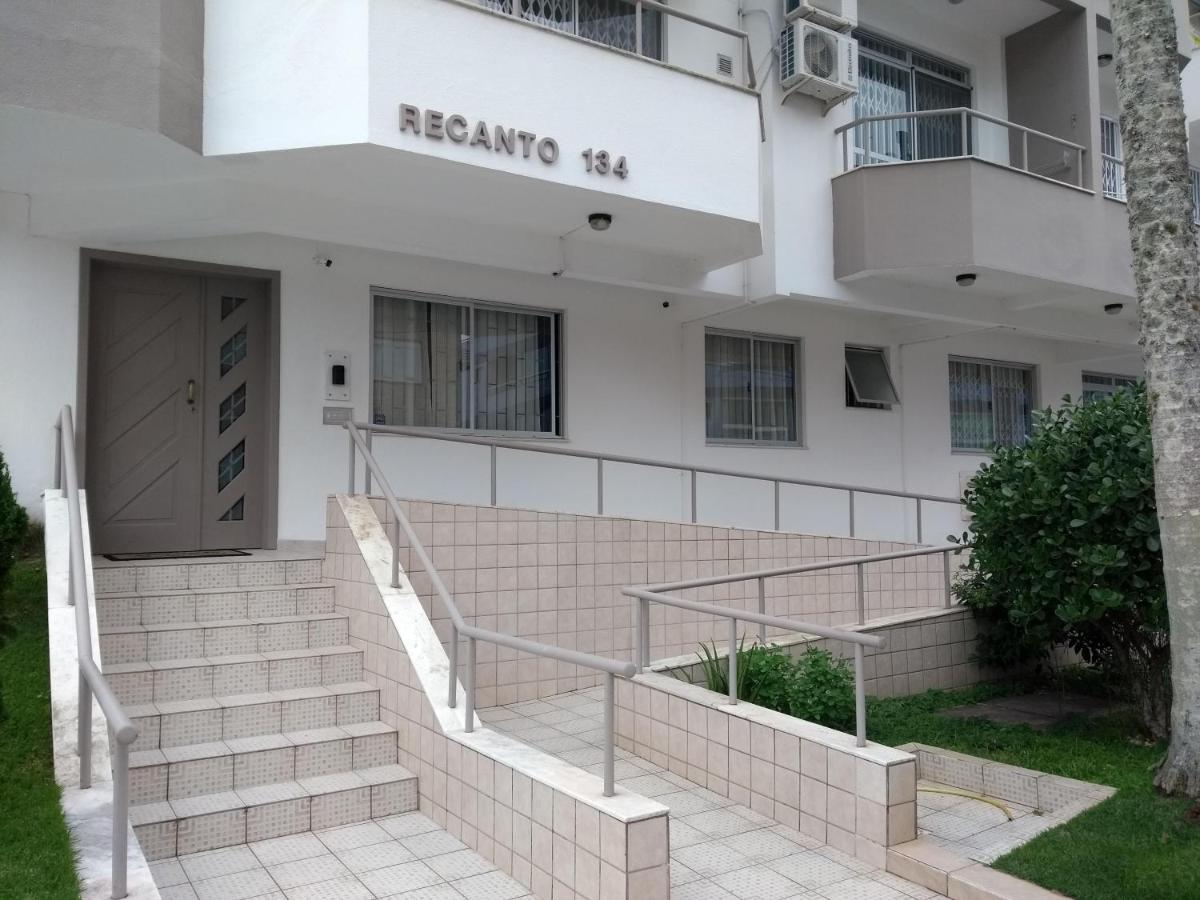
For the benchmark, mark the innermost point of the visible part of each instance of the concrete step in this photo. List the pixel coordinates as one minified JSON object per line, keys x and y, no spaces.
{"x":189,"y":640}
{"x":228,"y":817}
{"x":170,"y":575}
{"x":191,"y":770}
{"x":139,"y":683}
{"x":177,"y":723}
{"x":212,"y":604}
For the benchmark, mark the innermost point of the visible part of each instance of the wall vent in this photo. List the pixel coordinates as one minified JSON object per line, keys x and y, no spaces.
{"x":724,"y":65}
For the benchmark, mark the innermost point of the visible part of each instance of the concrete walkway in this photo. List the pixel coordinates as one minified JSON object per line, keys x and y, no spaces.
{"x":719,"y":849}
{"x":406,"y":857}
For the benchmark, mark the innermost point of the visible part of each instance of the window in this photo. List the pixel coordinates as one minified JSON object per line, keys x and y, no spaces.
{"x":465,"y":365}
{"x":869,"y":384}
{"x":991,"y":404}
{"x":750,"y":388}
{"x":1096,"y":385}
{"x":894,"y":78}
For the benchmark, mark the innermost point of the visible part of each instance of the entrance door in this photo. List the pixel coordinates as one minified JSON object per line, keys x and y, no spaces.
{"x":177,"y":409}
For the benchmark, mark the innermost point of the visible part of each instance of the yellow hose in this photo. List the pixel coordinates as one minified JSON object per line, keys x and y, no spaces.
{"x":955,"y":792}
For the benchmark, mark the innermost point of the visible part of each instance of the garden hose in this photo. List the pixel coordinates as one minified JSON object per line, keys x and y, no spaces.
{"x":955,"y":792}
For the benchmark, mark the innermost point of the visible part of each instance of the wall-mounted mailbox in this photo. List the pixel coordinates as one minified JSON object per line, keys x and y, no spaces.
{"x":337,"y":375}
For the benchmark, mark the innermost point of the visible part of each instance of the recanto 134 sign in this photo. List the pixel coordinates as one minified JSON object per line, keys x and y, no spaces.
{"x":436,"y":125}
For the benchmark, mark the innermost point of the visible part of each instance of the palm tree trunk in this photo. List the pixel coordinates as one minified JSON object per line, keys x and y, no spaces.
{"x":1167,"y":273}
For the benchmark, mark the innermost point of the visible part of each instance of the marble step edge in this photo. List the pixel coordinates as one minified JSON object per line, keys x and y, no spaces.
{"x":201,"y":662}
{"x":232,"y":701}
{"x":320,"y":584}
{"x":105,"y":630}
{"x":227,"y":819}
{"x":111,"y":579}
{"x":946,"y":873}
{"x":240,"y":748}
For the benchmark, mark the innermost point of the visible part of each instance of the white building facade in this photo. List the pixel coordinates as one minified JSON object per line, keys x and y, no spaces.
{"x":500,"y":220}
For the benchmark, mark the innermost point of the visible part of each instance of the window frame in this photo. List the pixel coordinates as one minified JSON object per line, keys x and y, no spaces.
{"x":852,"y":400}
{"x":797,"y":344}
{"x":1007,"y":364}
{"x":557,"y":360}
{"x":1118,"y":382}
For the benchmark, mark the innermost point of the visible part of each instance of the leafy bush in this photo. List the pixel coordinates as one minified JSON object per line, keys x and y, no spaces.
{"x":13,"y":524}
{"x":816,"y":687}
{"x":823,"y":690}
{"x":1066,"y":548}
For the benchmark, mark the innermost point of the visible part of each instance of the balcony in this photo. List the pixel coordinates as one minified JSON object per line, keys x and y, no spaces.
{"x":501,"y":125}
{"x":1001,"y":200}
{"x":1112,"y":167}
{"x":641,"y":27}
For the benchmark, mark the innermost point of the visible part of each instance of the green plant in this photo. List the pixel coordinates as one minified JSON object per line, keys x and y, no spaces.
{"x":1065,"y":548}
{"x":13,"y":523}
{"x":816,"y":687}
{"x":764,"y":674}
{"x":823,"y":690}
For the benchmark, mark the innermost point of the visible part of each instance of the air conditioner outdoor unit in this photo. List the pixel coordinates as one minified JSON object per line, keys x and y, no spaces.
{"x":818,"y":61}
{"x":830,"y":13}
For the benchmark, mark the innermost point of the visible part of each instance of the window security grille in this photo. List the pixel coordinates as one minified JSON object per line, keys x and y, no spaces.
{"x":991,"y":404}
{"x":1096,"y":384}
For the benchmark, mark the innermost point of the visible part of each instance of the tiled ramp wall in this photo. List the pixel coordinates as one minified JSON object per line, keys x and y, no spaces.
{"x":536,"y":818}
{"x":860,"y":800}
{"x":557,"y":578}
{"x":922,"y":650}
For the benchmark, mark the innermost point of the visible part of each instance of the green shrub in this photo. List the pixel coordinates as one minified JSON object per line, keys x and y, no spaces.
{"x":1066,"y":548}
{"x":816,"y":687}
{"x":823,"y":690}
{"x":13,"y":524}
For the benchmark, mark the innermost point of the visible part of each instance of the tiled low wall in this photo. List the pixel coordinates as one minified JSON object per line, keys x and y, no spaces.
{"x":922,"y":650}
{"x":537,"y":818}
{"x":558,"y":578}
{"x":860,"y":800}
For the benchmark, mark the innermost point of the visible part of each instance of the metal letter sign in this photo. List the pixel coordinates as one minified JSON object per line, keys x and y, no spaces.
{"x":437,"y":126}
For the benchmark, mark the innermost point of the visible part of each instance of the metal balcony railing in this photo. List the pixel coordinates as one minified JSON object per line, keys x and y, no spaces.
{"x":635,"y":26}
{"x":957,"y":132}
{"x":92,"y":682}
{"x":1112,"y":172}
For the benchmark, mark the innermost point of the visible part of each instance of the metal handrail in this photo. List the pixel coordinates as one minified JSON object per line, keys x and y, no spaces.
{"x":655,"y":593}
{"x":458,"y":627}
{"x":516,"y":10}
{"x":602,"y":458}
{"x":91,"y":680}
{"x":965,"y":114}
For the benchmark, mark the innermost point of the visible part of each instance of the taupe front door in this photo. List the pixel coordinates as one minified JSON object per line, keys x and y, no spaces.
{"x":176,"y":412}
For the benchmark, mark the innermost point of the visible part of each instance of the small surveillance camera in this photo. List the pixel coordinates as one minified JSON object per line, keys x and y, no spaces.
{"x":324,"y":261}
{"x":557,"y":273}
{"x":666,"y":304}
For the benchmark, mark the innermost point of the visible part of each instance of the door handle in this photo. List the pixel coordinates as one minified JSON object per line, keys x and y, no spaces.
{"x":191,"y":391}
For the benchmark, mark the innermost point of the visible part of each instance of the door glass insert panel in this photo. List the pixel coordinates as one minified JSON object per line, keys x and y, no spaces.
{"x":231,"y":465}
{"x":236,"y":512}
{"x":232,"y":408}
{"x":233,"y":351}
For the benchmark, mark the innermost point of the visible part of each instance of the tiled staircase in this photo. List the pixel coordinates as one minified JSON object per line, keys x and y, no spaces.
{"x":254,"y":721}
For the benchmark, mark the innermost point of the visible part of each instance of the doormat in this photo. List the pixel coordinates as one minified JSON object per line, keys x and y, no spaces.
{"x":173,"y":554}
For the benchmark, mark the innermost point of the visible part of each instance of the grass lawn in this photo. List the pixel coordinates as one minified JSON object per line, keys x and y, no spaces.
{"x":1134,"y":846}
{"x":37,"y":859}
